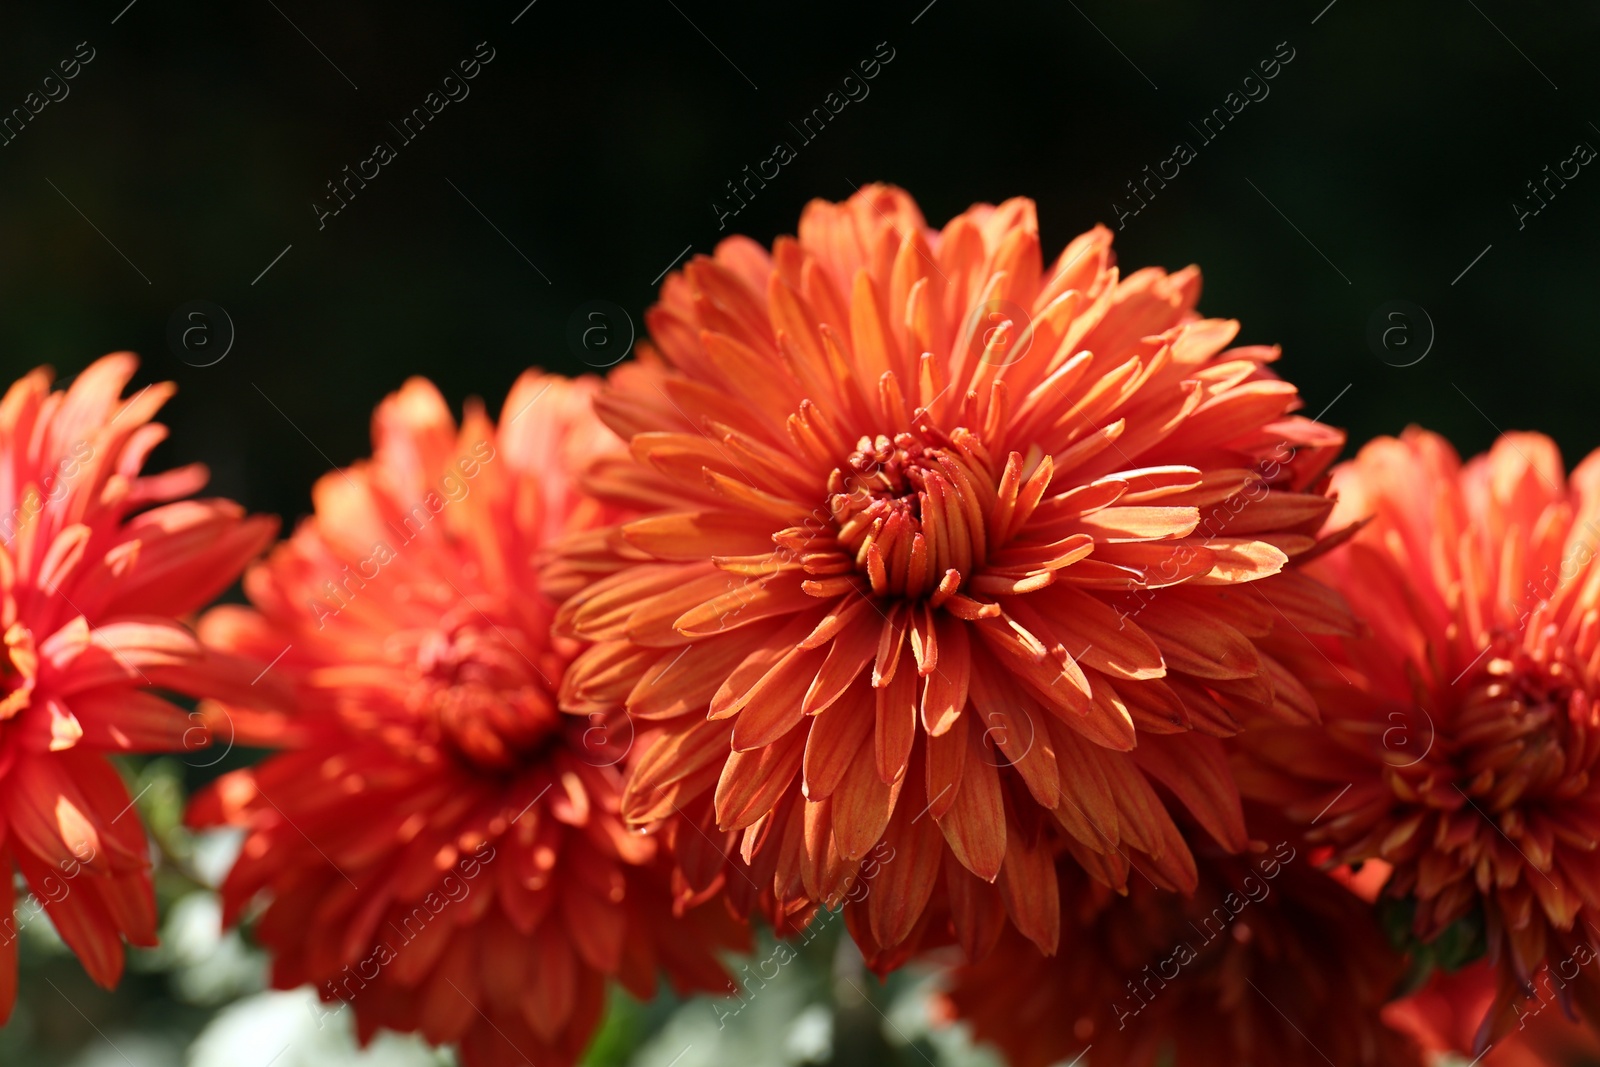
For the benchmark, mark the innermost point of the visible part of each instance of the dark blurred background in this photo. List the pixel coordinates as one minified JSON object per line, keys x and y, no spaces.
{"x":1360,"y":209}
{"x":191,"y":148}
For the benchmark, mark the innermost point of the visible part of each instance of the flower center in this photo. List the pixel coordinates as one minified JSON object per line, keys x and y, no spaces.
{"x":910,"y":513}
{"x":1522,"y":733}
{"x":479,"y":686}
{"x":1483,"y":796}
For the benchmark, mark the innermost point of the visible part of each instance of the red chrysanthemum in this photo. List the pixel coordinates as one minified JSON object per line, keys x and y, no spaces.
{"x":1462,"y":736}
{"x":1271,"y":961}
{"x":442,"y":850}
{"x":946,"y":549}
{"x":98,"y":565}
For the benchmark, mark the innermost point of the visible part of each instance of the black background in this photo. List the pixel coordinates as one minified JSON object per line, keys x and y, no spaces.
{"x":599,"y":136}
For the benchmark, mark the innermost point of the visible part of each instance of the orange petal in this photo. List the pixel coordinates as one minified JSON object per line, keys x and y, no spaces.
{"x":836,"y":736}
{"x":752,"y":781}
{"x":1028,"y":886}
{"x":1096,"y":636}
{"x":848,"y":653}
{"x":682,"y":758}
{"x":1196,"y":770}
{"x":748,"y":602}
{"x":975,"y":825}
{"x":906,"y":874}
{"x":775,"y":649}
{"x":1198,"y":644}
{"x":896,"y":722}
{"x":81,"y":918}
{"x":976,"y":910}
{"x":944,"y":693}
{"x":548,"y":1000}
{"x":861,"y":806}
{"x":771,"y":707}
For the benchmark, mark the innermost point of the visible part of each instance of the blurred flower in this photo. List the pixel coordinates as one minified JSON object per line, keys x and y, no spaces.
{"x":97,"y":566}
{"x":1445,"y":1014}
{"x":441,"y":849}
{"x":1271,"y":961}
{"x":1462,"y":734}
{"x":933,"y":535}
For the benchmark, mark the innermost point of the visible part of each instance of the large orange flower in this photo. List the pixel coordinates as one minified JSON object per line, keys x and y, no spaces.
{"x":1462,"y":735}
{"x":944,"y":548}
{"x":98,"y":564}
{"x":442,"y":849}
{"x":1271,"y":961}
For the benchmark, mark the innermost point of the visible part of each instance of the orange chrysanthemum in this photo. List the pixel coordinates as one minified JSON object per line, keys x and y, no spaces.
{"x":98,"y":565}
{"x":935,"y":538}
{"x":1462,"y":736}
{"x":1271,"y":961}
{"x":442,"y":849}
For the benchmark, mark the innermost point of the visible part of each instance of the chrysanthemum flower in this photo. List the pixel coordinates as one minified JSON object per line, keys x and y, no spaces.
{"x":1462,"y":735}
{"x":1271,"y":961}
{"x":441,"y":849}
{"x":98,"y":565}
{"x":945,"y":549}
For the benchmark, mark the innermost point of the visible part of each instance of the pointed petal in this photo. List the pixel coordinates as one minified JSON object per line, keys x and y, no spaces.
{"x":862,"y":806}
{"x":1027,"y":884}
{"x":753,"y":781}
{"x":975,"y":825}
{"x":836,"y":735}
{"x":896,"y":721}
{"x":944,"y":694}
